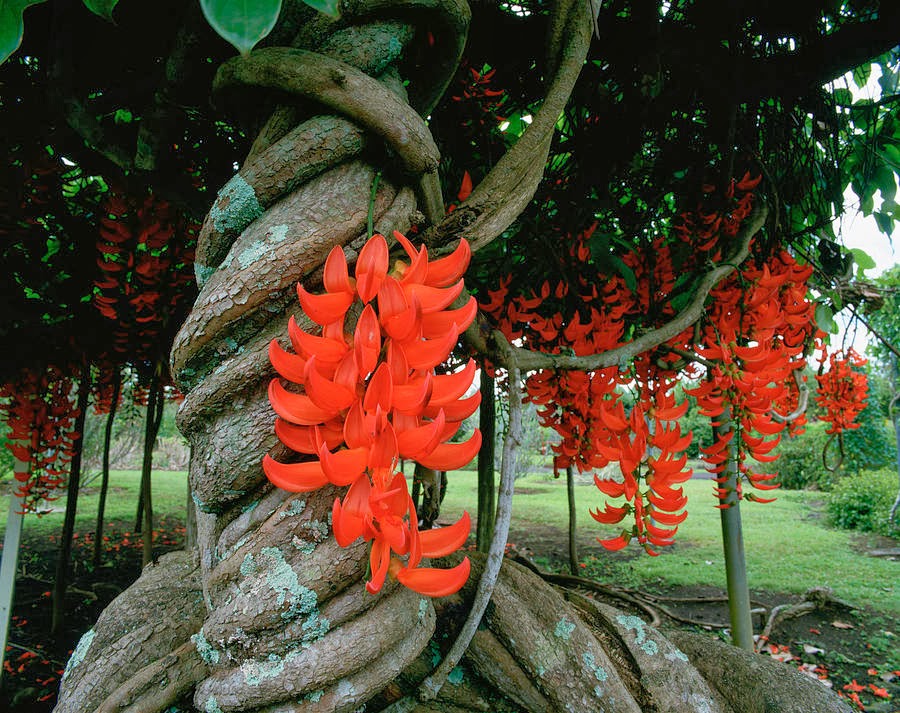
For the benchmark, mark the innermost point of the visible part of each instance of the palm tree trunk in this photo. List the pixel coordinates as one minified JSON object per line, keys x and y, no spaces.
{"x":104,"y":483}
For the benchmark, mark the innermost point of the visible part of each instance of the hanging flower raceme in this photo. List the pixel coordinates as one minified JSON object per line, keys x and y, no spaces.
{"x":145,"y":257}
{"x":753,"y":339}
{"x":842,"y":390}
{"x":369,"y":395}
{"x":40,"y":413}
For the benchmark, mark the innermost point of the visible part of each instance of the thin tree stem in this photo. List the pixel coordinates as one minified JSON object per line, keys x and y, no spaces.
{"x":573,"y":545}
{"x":432,"y":685}
{"x":486,"y":485}
{"x":104,"y":483}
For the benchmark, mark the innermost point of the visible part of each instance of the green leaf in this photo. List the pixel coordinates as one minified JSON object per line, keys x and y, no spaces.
{"x":328,"y":7}
{"x":103,"y":8}
{"x":861,"y":75}
{"x":843,"y":96}
{"x":863,"y":261}
{"x":12,"y":25}
{"x":123,"y":116}
{"x":825,"y":318}
{"x":626,"y":272}
{"x":243,"y":23}
{"x":885,"y":223}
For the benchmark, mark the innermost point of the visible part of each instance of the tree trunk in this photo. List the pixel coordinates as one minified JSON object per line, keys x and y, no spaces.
{"x":275,"y":617}
{"x":487,"y":488}
{"x":104,"y":482}
{"x":154,"y":417}
{"x":60,"y":582}
{"x":573,"y":544}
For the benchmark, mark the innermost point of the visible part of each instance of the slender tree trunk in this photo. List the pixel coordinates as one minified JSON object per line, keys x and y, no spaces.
{"x":104,"y":483}
{"x":8,"y":562}
{"x":573,"y":545}
{"x":486,"y":487}
{"x":154,"y":417}
{"x":895,"y":417}
{"x":733,"y":544}
{"x":60,"y":583}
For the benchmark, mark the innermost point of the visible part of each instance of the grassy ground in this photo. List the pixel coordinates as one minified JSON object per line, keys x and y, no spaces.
{"x":789,"y":545}
{"x":169,"y":499}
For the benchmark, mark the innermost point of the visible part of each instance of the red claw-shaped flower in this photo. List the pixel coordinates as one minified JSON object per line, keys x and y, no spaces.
{"x":366,"y":395}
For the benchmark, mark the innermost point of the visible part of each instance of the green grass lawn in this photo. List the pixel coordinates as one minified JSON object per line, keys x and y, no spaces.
{"x":789,"y":545}
{"x":169,"y":500}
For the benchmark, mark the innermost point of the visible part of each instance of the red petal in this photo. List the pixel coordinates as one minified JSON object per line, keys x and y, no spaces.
{"x":455,"y":410}
{"x":295,"y":477}
{"x":301,"y":438}
{"x":414,"y":442}
{"x":434,"y":299}
{"x":325,"y":393}
{"x":297,"y":408}
{"x":444,"y":540}
{"x":324,"y":309}
{"x":367,"y":341}
{"x":435,"y":582}
{"x":289,"y":366}
{"x":451,"y":456}
{"x":371,"y":267}
{"x":450,"y":387}
{"x":380,"y":391}
{"x":336,"y":277}
{"x":344,"y":466}
{"x":428,"y":353}
{"x":447,"y":270}
{"x":379,"y":559}
{"x":326,"y":349}
{"x":411,"y":398}
{"x":438,"y":323}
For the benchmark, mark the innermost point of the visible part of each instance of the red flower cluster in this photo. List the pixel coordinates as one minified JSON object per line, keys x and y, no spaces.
{"x":371,"y":397}
{"x":479,"y":102}
{"x":754,"y":336}
{"x":40,"y":413}
{"x":146,"y":260}
{"x":586,"y":409}
{"x":842,"y":390}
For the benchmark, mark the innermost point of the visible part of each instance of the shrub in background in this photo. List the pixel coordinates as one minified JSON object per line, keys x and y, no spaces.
{"x":862,"y":501}
{"x":799,"y":465}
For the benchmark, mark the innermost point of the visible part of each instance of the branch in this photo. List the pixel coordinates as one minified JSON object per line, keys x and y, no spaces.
{"x":342,"y":88}
{"x":802,"y":401}
{"x":505,"y":192}
{"x":432,"y":685}
{"x":878,"y":335}
{"x":482,"y":337}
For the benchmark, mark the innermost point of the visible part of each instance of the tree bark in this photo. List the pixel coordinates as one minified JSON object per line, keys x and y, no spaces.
{"x":60,"y":582}
{"x":104,"y":481}
{"x":487,"y":488}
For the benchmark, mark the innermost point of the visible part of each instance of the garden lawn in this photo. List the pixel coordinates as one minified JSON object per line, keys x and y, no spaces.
{"x":169,"y":500}
{"x":789,"y":545}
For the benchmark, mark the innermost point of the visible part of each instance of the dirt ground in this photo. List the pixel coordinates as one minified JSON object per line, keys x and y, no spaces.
{"x":856,"y":652}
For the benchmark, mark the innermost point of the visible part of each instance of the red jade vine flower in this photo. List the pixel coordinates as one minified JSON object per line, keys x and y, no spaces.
{"x":371,"y":397}
{"x":842,"y":390}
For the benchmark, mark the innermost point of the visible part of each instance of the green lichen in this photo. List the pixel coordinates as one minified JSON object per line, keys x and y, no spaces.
{"x":202,"y":273}
{"x":277,"y":233}
{"x":456,"y":676}
{"x":305,"y":546}
{"x":345,"y":689}
{"x":253,"y":253}
{"x":599,"y":672}
{"x":212,"y":705}
{"x":564,"y":629}
{"x":423,"y":608}
{"x":84,"y":643}
{"x":228,"y":491}
{"x":205,"y":649}
{"x":318,"y":527}
{"x":314,"y":697}
{"x":648,"y":645}
{"x":255,"y":672}
{"x":248,"y":566}
{"x":676,"y":655}
{"x":294,"y":508}
{"x":249,"y":506}
{"x":236,"y":206}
